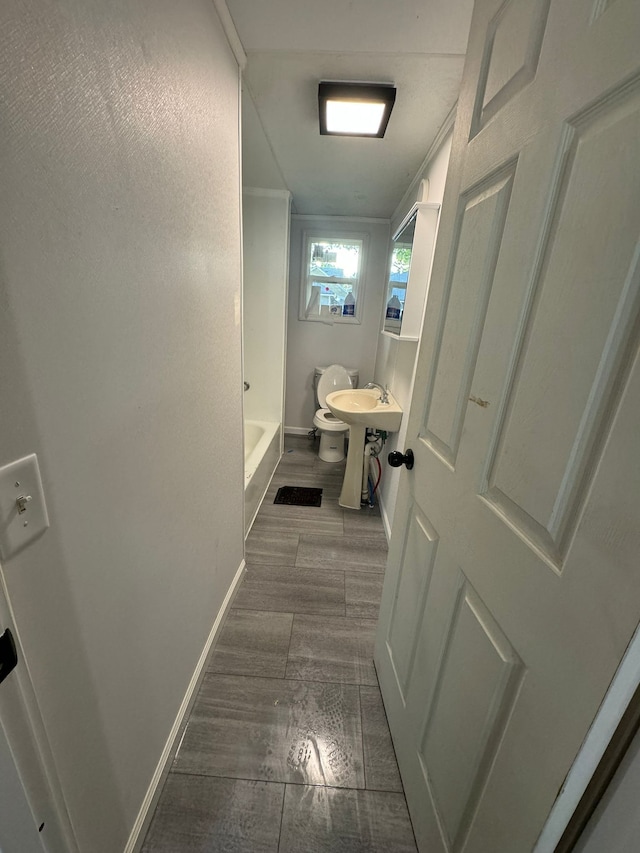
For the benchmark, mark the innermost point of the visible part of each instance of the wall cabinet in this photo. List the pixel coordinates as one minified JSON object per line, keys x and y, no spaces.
{"x":409,"y":272}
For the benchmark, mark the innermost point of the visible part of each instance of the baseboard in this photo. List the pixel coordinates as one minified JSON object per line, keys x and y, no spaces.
{"x":141,"y":825}
{"x":297,"y":430}
{"x":385,"y":520}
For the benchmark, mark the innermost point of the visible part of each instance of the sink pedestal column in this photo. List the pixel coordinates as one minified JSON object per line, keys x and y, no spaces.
{"x":352,"y":484}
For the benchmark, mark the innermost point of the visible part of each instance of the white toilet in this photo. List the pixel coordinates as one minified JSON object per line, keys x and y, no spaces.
{"x":332,"y":430}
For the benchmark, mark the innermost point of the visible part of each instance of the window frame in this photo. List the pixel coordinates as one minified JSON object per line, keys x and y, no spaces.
{"x":330,"y":236}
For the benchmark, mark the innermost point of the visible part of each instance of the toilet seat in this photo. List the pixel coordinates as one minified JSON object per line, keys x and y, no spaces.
{"x":334,"y":378}
{"x":325,"y":420}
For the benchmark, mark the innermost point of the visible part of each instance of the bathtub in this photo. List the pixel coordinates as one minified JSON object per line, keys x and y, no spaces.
{"x":262,"y":448}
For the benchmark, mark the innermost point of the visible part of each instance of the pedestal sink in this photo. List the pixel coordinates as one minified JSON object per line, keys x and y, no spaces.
{"x":361,"y":408}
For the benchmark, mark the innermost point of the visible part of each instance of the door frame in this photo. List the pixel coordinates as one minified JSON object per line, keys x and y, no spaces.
{"x":600,"y":735}
{"x":605,"y":774}
{"x":27,"y":738}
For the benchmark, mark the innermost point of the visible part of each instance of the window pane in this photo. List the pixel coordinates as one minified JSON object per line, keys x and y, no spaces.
{"x":400,"y":263}
{"x":332,"y":277}
{"x":332,"y":258}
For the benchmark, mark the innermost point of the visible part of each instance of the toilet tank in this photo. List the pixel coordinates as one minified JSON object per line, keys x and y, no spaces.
{"x":353,"y":372}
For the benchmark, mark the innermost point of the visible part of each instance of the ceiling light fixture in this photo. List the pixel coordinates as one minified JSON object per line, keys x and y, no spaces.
{"x":355,"y":109}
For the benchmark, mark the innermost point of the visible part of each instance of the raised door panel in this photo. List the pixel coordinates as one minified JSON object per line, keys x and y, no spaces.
{"x":578,"y":329}
{"x":475,"y":691}
{"x":479,"y":229}
{"x":511,"y":53}
{"x":600,"y":7}
{"x":416,"y":566}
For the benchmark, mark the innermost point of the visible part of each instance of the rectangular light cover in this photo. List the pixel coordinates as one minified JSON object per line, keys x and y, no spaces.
{"x":354,"y":117}
{"x":355,"y":109}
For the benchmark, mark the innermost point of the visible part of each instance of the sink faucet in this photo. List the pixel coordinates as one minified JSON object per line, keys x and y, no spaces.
{"x":384,"y":392}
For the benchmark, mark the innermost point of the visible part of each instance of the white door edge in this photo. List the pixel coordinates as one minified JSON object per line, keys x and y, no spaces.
{"x":614,"y":704}
{"x":31,"y":750}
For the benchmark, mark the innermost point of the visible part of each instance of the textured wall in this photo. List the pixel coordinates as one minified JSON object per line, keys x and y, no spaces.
{"x":120,"y":367}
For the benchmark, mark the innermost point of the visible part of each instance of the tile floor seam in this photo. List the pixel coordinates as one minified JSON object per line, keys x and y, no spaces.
{"x":284,"y":795}
{"x":347,"y":568}
{"x":364,"y":763}
{"x":274,"y":566}
{"x":372,"y":574}
{"x":295,"y":556}
{"x":393,"y":746}
{"x":344,"y":590}
{"x":294,"y":612}
{"x":284,"y":678}
{"x":271,"y":566}
{"x":305,"y":784}
{"x":286,"y":657}
{"x":315,"y":681}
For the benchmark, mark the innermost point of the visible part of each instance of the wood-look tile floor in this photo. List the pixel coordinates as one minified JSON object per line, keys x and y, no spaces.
{"x":287,"y":748}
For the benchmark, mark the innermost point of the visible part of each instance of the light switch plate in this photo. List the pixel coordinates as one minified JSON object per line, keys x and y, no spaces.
{"x":21,"y":487}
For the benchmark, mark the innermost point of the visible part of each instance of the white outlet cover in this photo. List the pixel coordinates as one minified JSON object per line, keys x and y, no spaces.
{"x":21,"y":479}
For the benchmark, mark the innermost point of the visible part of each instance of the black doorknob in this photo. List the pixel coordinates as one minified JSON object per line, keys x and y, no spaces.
{"x":396,"y":459}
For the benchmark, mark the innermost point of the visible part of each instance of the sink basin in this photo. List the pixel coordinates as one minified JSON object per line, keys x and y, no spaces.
{"x":362,"y":407}
{"x":354,"y":401}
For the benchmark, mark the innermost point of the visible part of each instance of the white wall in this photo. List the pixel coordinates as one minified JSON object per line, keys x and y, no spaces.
{"x":395,"y":359}
{"x":259,"y":166}
{"x":311,"y":343}
{"x":120,"y":367}
{"x":434,"y":172}
{"x":265,"y":216}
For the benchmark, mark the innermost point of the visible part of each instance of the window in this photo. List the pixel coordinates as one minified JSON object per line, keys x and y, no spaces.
{"x":332,"y":278}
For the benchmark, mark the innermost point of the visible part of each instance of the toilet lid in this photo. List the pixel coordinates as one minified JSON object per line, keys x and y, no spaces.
{"x":334,"y":378}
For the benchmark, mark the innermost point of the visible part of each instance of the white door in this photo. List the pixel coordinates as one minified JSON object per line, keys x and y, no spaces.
{"x":513,"y":584}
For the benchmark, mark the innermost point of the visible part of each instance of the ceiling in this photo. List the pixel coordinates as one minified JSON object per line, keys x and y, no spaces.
{"x":292,"y":45}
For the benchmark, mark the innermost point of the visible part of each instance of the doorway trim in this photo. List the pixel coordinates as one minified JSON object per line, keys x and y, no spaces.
{"x":30,"y":746}
{"x":614,"y":705}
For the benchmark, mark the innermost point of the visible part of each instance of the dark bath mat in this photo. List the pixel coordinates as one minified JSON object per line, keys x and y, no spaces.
{"x":298,"y":496}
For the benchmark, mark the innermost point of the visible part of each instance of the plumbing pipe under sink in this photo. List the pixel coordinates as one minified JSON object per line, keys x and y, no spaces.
{"x":369,"y":451}
{"x":372,"y":449}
